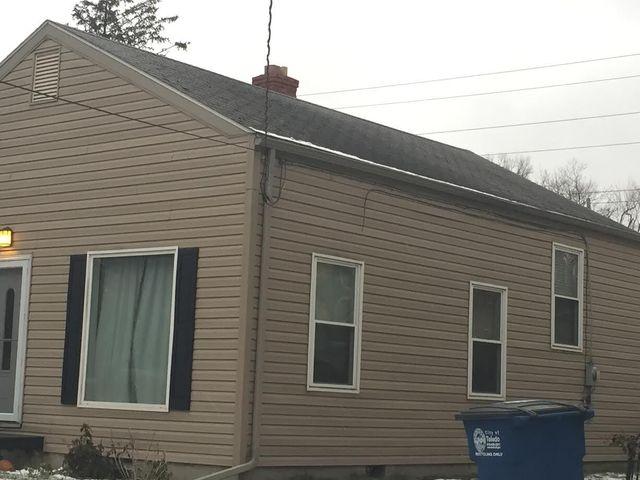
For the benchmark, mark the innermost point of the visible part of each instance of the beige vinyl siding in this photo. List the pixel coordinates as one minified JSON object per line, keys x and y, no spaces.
{"x":420,"y":256}
{"x":615,"y":286}
{"x":75,"y":179}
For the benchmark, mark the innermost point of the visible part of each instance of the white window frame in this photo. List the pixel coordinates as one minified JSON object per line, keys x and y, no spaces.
{"x":580,"y":285}
{"x":357,"y":324}
{"x":91,"y":256}
{"x":504,"y":294}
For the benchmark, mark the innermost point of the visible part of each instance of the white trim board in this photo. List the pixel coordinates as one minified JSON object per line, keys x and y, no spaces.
{"x":24,"y":262}
{"x":334,"y":157}
{"x":51,"y":31}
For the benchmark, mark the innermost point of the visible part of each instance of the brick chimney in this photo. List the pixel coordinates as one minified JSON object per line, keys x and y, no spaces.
{"x":278,"y":81}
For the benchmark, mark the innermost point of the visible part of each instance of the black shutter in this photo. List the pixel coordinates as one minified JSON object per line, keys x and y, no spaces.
{"x":183,"y":329}
{"x":73,"y":332}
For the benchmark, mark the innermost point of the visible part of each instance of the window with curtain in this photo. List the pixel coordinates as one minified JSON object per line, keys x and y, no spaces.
{"x":127,"y":346}
{"x":487,"y":341}
{"x":567,"y":297}
{"x":335,"y":319}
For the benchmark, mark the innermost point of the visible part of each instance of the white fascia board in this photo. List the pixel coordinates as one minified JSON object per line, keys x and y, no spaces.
{"x":25,"y":48}
{"x":559,"y":216}
{"x":152,"y":85}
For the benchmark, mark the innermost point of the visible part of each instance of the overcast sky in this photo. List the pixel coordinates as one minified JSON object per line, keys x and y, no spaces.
{"x":339,"y":44}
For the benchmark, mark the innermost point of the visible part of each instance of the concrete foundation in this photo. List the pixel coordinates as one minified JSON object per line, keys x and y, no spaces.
{"x":372,"y":472}
{"x":388,"y":472}
{"x":393,"y":472}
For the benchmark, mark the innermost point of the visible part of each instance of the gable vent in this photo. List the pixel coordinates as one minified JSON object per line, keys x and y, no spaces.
{"x":46,"y":75}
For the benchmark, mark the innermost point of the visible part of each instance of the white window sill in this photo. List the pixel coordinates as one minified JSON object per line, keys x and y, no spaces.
{"x":486,"y":396}
{"x":332,"y":389}
{"x":124,"y":406}
{"x":567,"y":348}
{"x":10,"y":424}
{"x":44,"y":101}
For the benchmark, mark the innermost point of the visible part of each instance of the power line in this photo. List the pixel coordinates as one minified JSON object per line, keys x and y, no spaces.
{"x":495,"y":92}
{"x":473,"y":75}
{"x":609,"y":202}
{"x":126,"y":117}
{"x":264,"y":180}
{"x":267,"y":89}
{"x":616,"y":190}
{"x":222,"y":142}
{"x":579,"y":147}
{"x":525,"y":124}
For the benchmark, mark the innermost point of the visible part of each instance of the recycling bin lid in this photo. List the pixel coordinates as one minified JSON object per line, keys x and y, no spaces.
{"x":531,"y":408}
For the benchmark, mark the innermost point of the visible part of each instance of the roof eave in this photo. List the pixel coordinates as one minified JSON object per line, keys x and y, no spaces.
{"x":331,"y":157}
{"x":50,"y":30}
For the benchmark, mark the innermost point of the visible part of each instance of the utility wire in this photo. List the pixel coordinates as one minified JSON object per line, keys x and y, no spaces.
{"x":616,"y":190}
{"x":494,"y":92}
{"x":524,"y":124}
{"x":473,"y":75}
{"x":579,"y":147}
{"x":264,"y":180}
{"x":126,"y":117}
{"x":222,"y":142}
{"x":106,"y":112}
{"x":267,"y":73}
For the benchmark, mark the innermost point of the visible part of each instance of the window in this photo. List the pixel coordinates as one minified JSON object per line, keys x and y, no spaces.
{"x":487,"y":341}
{"x":7,"y":341}
{"x":335,"y":323}
{"x":128,"y":329}
{"x":566,"y":303}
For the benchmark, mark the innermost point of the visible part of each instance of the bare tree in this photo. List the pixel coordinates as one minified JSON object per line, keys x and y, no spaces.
{"x":571,"y":182}
{"x":621,"y":205}
{"x":518,"y":164}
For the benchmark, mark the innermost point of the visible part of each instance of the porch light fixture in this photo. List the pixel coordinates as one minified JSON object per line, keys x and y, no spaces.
{"x":6,"y":237}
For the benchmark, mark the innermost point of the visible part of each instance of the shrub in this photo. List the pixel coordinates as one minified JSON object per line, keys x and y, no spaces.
{"x":86,"y":459}
{"x":630,"y":445}
{"x":136,"y":464}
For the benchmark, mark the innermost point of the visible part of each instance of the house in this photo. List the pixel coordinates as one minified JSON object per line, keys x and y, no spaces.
{"x":322,"y":299}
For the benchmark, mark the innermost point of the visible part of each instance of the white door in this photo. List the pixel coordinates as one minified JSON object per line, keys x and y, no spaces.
{"x":14,"y":295}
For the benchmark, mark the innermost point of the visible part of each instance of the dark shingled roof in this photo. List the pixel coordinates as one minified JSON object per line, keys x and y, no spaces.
{"x":304,"y":121}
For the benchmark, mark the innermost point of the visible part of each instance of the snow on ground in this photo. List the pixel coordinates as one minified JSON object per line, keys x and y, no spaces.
{"x":596,"y":476}
{"x":31,"y":474}
{"x":606,"y":476}
{"x":34,"y":475}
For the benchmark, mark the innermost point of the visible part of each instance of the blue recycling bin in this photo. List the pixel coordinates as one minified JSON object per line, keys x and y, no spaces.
{"x":526,"y":440}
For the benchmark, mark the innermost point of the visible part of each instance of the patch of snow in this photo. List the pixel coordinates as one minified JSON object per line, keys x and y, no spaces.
{"x":29,"y":474}
{"x":422,"y":177}
{"x":596,"y":476}
{"x":606,"y":476}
